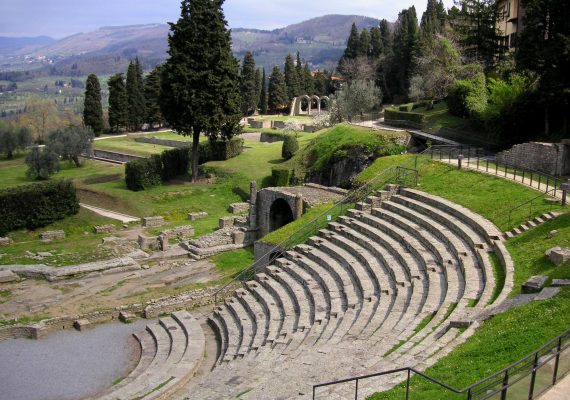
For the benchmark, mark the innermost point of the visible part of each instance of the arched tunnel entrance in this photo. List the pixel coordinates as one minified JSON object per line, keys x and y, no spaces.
{"x":280,"y":214}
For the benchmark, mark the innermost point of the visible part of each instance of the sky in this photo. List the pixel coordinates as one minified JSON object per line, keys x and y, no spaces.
{"x":60,"y":18}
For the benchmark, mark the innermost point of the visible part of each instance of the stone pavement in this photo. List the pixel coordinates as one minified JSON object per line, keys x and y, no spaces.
{"x":111,"y":214}
{"x":561,"y":391}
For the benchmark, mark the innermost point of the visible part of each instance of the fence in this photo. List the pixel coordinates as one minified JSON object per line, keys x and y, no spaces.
{"x":525,"y":379}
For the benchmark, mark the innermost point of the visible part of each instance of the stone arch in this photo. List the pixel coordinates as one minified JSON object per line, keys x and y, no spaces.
{"x":280,"y":214}
{"x":299,"y":105}
{"x":324,"y":103}
{"x":316,"y":103}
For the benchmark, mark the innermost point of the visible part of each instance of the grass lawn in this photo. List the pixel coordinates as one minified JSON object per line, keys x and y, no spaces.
{"x":501,"y":341}
{"x":303,"y":118}
{"x":233,"y":262}
{"x":128,"y":145}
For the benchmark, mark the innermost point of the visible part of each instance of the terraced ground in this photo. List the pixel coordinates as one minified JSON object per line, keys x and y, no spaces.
{"x":396,"y":282}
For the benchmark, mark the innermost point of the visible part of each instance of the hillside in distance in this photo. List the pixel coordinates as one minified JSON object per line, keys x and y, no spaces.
{"x":107,"y":50}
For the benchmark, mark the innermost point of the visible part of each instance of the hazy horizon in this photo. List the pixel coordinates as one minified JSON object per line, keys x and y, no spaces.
{"x":62,"y":18}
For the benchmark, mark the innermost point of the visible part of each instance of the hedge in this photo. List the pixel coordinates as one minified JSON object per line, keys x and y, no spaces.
{"x":281,"y":176}
{"x":145,"y":173}
{"x":36,"y":205}
{"x":290,"y":147}
{"x":404,"y":116}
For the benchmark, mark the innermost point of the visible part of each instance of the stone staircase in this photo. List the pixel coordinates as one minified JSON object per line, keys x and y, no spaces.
{"x":398,"y":281}
{"x":171,"y":352}
{"x":541,"y":219}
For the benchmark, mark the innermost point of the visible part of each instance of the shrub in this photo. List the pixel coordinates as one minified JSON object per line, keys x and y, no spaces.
{"x":468,"y":97}
{"x":175,"y":162}
{"x":221,"y":150}
{"x":143,"y":174}
{"x":290,"y":147}
{"x":42,"y":163}
{"x":396,"y":115}
{"x":281,"y":176}
{"x":406,"y":107}
{"x":36,"y":205}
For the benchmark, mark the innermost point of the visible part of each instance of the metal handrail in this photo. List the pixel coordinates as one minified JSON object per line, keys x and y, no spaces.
{"x":468,"y":389}
{"x":530,"y":201}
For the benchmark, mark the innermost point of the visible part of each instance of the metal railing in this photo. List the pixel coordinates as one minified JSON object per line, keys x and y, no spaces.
{"x":527,"y":378}
{"x":396,"y":174}
{"x":551,"y":192}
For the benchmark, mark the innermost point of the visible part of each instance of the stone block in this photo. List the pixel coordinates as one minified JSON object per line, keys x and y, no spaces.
{"x":81,"y":324}
{"x":52,"y":235}
{"x":104,"y":229}
{"x":197,"y":215}
{"x":148,"y":242}
{"x":226,"y":222}
{"x":534,"y":284}
{"x":552,"y":233}
{"x":278,"y":124}
{"x":5,"y":241}
{"x":310,"y":128}
{"x":551,"y":200}
{"x":238,"y":237}
{"x":558,"y":255}
{"x":126,"y":317}
{"x":7,"y":276}
{"x":239,"y":208}
{"x":560,"y":282}
{"x":180,"y":231}
{"x":163,"y":242}
{"x":151,"y":222}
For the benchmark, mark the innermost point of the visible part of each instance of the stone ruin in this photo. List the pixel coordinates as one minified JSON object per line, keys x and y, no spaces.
{"x":48,"y":236}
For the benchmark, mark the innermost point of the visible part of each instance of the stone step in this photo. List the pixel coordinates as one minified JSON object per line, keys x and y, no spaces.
{"x":291,"y":318}
{"x":245,"y":322}
{"x":272,"y":305}
{"x":260,"y":315}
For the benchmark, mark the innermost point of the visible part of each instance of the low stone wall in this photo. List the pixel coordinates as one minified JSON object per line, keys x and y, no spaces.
{"x":271,"y":137}
{"x":550,"y":158}
{"x":18,"y":332}
{"x":260,"y":124}
{"x":263,"y":252}
{"x":163,"y":142}
{"x":113,"y":156}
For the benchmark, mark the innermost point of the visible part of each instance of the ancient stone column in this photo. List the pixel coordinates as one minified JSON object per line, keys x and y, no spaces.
{"x":298,"y":206}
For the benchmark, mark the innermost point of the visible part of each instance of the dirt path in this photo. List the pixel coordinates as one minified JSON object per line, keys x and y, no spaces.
{"x":124,"y":218}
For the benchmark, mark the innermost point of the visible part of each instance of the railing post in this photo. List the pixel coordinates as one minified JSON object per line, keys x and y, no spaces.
{"x":314,"y":392}
{"x":469,"y":395}
{"x":408,"y":385}
{"x":487,"y":166}
{"x":356,"y":390}
{"x":496,"y":167}
{"x":505,"y":386}
{"x":547,"y":182}
{"x":558,"y":349}
{"x":533,"y":377}
{"x":530,"y":178}
{"x":539,"y":176}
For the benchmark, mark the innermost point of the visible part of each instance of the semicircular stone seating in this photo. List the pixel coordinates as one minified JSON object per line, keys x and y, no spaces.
{"x":398,"y":281}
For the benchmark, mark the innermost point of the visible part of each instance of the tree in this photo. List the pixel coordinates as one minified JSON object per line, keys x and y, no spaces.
{"x":433,"y":19}
{"x":386,"y":35}
{"x":308,"y":81}
{"x":92,"y":109}
{"x":291,"y":79}
{"x":544,"y":49}
{"x":376,"y":45}
{"x":248,"y":87}
{"x":41,"y":116}
{"x":352,"y":44}
{"x":364,"y":43}
{"x":299,"y":69}
{"x":405,"y":48}
{"x":135,"y":95}
{"x":200,"y":81}
{"x":118,"y":105}
{"x":263,"y":106}
{"x":290,"y":147}
{"x":152,"y":96}
{"x":257,"y":88}
{"x":8,"y":140}
{"x":71,"y":142}
{"x":277,"y":93}
{"x":42,"y":163}
{"x":476,"y":23}
{"x":358,"y":97}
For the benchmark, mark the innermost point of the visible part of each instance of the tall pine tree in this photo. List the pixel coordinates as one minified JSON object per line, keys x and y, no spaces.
{"x":200,"y":82}
{"x":433,"y":19}
{"x":118,"y":106}
{"x":152,"y":96}
{"x":135,"y":95}
{"x":263,"y":96}
{"x":308,"y":81}
{"x":376,"y":45}
{"x":92,"y":108}
{"x":248,"y":88}
{"x":405,"y":48}
{"x":291,"y":79}
{"x":277,"y":92}
{"x":364,"y":43}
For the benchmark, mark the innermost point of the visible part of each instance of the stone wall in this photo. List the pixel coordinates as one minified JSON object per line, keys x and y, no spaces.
{"x":265,"y":199}
{"x":271,"y":138}
{"x":163,"y":142}
{"x":550,"y":158}
{"x":113,"y":156}
{"x":262,"y":253}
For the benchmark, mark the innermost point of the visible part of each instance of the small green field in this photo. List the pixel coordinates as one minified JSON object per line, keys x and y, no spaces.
{"x":128,"y":144}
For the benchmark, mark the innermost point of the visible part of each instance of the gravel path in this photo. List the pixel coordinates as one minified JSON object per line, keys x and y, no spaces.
{"x":67,"y":364}
{"x":111,"y":214}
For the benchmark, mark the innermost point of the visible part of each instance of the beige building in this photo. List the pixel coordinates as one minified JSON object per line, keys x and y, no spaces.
{"x":510,"y":21}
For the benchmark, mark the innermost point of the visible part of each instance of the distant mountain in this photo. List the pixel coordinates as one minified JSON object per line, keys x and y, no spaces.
{"x":14,"y":45}
{"x":107,"y":50}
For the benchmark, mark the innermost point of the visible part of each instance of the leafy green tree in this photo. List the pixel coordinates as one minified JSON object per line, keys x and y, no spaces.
{"x":544,"y":49}
{"x":322,"y":82}
{"x":248,"y":87}
{"x":277,"y":92}
{"x":200,"y":81}
{"x":290,"y":146}
{"x":152,"y":96}
{"x":118,"y":105}
{"x":263,"y":106}
{"x":135,"y":95}
{"x":364,"y":43}
{"x":291,"y":79}
{"x":42,"y":163}
{"x":433,"y":19}
{"x":476,"y":23}
{"x":358,"y":97}
{"x":71,"y":142}
{"x":376,"y":44}
{"x":308,"y":80}
{"x":12,"y":139}
{"x":92,"y":108}
{"x":352,"y":44}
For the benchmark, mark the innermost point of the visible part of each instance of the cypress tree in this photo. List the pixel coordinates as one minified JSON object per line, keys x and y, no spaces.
{"x":118,"y":106}
{"x":263,"y":96}
{"x":433,"y":19}
{"x":92,"y":108}
{"x":291,"y":79}
{"x":406,"y":47}
{"x":353,"y":44}
{"x":200,"y":82}
{"x":277,"y":92}
{"x":248,"y":87}
{"x":386,"y":34}
{"x":135,"y":95}
{"x":364,"y":43}
{"x":299,"y":69}
{"x":308,"y":81}
{"x":152,"y":96}
{"x":376,"y":45}
{"x":257,"y":87}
